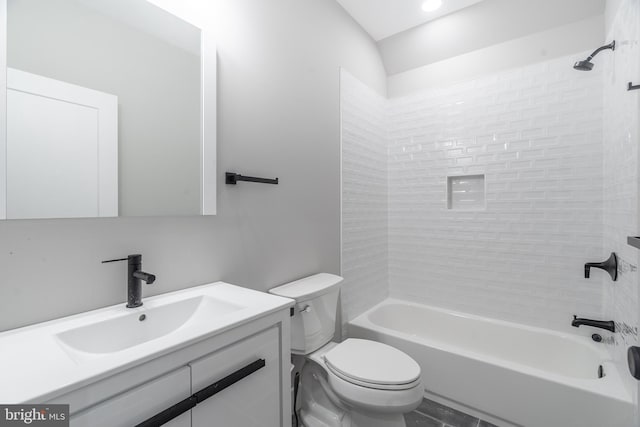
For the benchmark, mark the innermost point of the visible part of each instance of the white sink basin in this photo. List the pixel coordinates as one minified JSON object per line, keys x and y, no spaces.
{"x":43,"y":361}
{"x":144,"y":324}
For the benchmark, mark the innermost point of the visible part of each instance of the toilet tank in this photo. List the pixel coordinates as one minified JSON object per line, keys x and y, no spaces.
{"x":314,"y":321}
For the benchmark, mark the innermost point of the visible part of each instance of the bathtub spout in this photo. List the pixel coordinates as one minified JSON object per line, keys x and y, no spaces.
{"x":602,"y":324}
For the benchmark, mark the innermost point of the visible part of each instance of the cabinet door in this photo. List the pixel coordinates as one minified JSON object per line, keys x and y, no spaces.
{"x":255,"y":400}
{"x":136,"y":405}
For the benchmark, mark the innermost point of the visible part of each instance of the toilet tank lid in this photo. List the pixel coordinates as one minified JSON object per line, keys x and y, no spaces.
{"x":308,"y":287}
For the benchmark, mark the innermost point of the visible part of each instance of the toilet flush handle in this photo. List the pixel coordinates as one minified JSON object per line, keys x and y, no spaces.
{"x":306,"y":309}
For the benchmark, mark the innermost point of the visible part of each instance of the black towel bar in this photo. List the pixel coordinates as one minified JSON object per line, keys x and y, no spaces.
{"x":233,"y":178}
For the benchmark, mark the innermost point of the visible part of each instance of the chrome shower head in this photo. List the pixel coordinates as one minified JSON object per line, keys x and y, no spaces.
{"x":587,"y":65}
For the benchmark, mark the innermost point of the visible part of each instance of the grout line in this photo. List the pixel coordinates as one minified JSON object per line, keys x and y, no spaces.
{"x":430,"y":416}
{"x":444,"y":424}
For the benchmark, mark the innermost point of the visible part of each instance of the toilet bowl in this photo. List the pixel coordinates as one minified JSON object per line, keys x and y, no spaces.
{"x":355,"y":383}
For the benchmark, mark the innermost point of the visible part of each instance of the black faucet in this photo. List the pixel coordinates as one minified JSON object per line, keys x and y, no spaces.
{"x":610,"y":266}
{"x":135,"y":277}
{"x":602,"y":324}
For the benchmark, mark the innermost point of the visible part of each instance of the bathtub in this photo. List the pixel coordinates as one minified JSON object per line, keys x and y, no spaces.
{"x":510,"y":373}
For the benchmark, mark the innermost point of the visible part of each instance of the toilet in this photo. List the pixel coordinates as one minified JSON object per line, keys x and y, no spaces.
{"x":355,"y":383}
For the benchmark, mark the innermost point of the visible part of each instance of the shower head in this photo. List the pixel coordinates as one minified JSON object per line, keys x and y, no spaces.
{"x":587,"y":65}
{"x":583,"y":65}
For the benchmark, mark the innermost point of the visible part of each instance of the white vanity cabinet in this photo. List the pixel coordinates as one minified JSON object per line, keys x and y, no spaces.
{"x":211,"y":355}
{"x":251,"y":402}
{"x":244,"y":370}
{"x":135,"y":406}
{"x":249,"y":368}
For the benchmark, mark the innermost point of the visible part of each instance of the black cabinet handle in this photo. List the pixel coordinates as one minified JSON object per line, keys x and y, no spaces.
{"x":202,"y":395}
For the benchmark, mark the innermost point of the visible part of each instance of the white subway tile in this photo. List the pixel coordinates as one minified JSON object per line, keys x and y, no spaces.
{"x":536,"y":133}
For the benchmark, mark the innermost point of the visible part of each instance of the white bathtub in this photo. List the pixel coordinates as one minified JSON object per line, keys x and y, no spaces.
{"x":523,"y":375}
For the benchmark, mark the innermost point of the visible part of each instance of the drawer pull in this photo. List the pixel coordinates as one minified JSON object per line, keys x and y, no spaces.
{"x":202,"y":395}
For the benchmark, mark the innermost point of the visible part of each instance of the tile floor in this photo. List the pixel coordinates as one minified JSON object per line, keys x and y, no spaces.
{"x":432,"y":414}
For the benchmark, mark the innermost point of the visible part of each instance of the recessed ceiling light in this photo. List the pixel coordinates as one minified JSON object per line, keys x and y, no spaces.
{"x":431,"y":5}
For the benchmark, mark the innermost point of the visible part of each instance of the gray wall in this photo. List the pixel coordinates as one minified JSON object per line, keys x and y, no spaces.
{"x":479,"y":26}
{"x":557,"y":42}
{"x":158,"y":90}
{"x":278,"y":100}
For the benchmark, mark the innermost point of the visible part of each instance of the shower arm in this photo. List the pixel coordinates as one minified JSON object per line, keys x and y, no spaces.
{"x":611,"y":46}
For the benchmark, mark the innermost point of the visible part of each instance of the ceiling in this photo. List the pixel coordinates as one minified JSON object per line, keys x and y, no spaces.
{"x":384,"y":18}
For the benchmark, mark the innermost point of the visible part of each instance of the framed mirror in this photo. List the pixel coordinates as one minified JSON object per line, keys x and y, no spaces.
{"x":110,"y":111}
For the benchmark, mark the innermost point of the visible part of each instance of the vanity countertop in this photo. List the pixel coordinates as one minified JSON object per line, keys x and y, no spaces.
{"x":45,"y":360}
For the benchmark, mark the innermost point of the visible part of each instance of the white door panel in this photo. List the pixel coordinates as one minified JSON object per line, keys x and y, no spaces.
{"x":44,"y":177}
{"x":61,"y":149}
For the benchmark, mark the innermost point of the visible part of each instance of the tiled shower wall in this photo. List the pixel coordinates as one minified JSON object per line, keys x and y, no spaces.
{"x":535,"y":133}
{"x":621,"y":139}
{"x":364,"y":196}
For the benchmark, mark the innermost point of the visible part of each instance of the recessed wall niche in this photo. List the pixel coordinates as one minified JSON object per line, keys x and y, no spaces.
{"x":466,"y":192}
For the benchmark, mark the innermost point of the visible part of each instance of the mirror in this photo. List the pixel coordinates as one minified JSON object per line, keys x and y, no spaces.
{"x":110,"y":111}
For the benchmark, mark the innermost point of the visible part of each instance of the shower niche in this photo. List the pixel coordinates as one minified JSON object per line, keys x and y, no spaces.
{"x":466,"y":192}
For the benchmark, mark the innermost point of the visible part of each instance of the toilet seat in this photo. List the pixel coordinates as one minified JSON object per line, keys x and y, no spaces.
{"x":374,"y":399}
{"x":373,"y":365}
